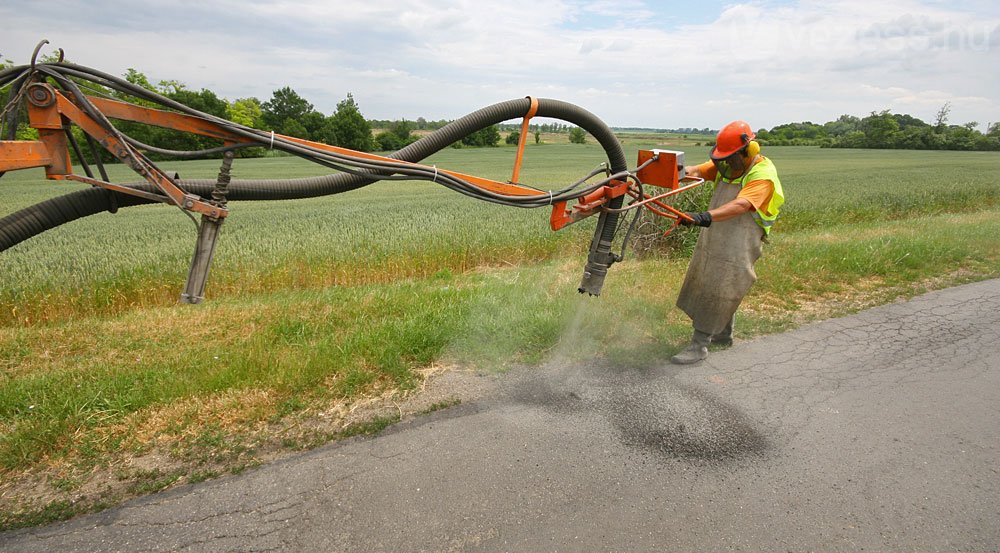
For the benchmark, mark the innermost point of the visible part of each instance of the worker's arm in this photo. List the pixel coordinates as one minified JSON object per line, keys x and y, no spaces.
{"x":705,"y":171}
{"x":728,"y":210}
{"x":735,"y":208}
{"x":753,"y":195}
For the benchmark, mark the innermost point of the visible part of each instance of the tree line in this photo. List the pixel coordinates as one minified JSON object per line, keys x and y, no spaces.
{"x":285,"y":112}
{"x":886,"y":130}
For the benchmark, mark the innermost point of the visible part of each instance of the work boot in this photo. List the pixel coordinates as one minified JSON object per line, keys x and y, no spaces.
{"x":696,"y":350}
{"x":725,"y":338}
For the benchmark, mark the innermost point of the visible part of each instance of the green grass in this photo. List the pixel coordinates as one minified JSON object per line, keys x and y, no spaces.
{"x":315,"y":305}
{"x":383,"y":232}
{"x":138,"y":258}
{"x":831,"y":186}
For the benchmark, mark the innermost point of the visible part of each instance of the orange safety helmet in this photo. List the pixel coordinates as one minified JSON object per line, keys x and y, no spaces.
{"x":732,"y":138}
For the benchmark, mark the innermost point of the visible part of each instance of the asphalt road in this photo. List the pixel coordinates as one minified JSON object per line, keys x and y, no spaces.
{"x":875,"y":432}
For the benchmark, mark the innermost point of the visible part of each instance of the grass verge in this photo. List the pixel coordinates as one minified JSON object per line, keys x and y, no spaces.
{"x":167,"y":395}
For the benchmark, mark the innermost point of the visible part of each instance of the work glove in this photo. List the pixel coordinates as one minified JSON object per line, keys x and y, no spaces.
{"x":702,"y":219}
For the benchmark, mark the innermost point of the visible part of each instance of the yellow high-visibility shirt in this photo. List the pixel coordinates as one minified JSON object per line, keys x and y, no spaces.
{"x":757,"y":192}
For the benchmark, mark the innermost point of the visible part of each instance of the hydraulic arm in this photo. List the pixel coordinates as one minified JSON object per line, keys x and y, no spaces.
{"x":53,"y":98}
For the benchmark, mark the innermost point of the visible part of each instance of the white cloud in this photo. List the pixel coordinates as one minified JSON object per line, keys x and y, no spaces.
{"x":765,"y":61}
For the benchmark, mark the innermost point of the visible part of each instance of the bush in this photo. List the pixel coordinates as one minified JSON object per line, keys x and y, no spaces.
{"x":648,"y":237}
{"x":398,"y":136}
{"x":490,"y":136}
{"x":386,"y":141}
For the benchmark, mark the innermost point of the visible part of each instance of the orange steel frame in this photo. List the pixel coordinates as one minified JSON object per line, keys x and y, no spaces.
{"x":49,"y":112}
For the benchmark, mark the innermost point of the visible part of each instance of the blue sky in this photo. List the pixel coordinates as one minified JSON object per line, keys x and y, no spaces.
{"x":631,"y":62}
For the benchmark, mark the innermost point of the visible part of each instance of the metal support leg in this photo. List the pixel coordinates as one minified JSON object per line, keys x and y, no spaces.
{"x":204,"y":250}
{"x":208,"y":233}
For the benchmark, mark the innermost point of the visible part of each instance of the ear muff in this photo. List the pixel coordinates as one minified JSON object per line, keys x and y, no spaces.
{"x":752,"y":147}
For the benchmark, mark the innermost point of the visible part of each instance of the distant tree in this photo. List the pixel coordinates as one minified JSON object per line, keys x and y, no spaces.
{"x":402,"y":129}
{"x":385,"y":141}
{"x":888,"y":130}
{"x":853,"y":139}
{"x":139,"y":79}
{"x":914,"y":138}
{"x":794,"y":134}
{"x":988,"y":143}
{"x":170,"y":86}
{"x":291,"y":127}
{"x":577,"y":136}
{"x":906,"y":121}
{"x":513,"y":138}
{"x":315,"y":124}
{"x":246,"y":112}
{"x":843,"y":125}
{"x":489,"y":136}
{"x":348,"y":128}
{"x":879,"y":129}
{"x":961,"y":138}
{"x":941,"y":119}
{"x":538,"y":137}
{"x":204,"y":101}
{"x":136,"y":77}
{"x":285,"y":105}
{"x":397,"y":136}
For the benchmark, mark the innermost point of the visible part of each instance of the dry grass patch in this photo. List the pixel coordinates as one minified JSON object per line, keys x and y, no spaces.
{"x":200,"y":438}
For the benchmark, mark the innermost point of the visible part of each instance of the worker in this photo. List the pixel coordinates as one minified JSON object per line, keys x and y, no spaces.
{"x":743,"y":208}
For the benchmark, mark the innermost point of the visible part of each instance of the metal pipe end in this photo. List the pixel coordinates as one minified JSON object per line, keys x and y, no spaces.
{"x":593,"y":278}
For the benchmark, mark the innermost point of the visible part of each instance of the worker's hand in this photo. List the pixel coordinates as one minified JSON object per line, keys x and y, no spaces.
{"x":702,"y":219}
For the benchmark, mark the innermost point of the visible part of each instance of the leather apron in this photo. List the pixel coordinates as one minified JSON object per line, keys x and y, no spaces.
{"x":721,"y":269}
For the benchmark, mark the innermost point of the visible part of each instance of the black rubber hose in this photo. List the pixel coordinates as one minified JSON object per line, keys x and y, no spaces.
{"x":10,"y":119}
{"x":28,"y":222}
{"x":11,"y":73}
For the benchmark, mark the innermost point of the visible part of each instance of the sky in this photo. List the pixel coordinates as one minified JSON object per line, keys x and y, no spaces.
{"x":632,"y":63}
